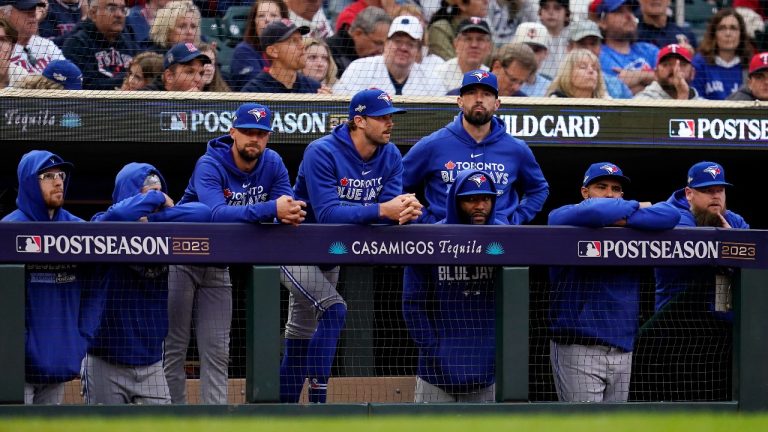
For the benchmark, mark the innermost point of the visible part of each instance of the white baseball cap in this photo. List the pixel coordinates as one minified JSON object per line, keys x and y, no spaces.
{"x":407,"y":24}
{"x":532,"y":33}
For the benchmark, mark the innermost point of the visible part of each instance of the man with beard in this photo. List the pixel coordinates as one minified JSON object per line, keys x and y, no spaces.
{"x":450,"y":310}
{"x":477,"y":140}
{"x":352,"y":176}
{"x":674,"y":75}
{"x":694,"y":304}
{"x":241,"y":181}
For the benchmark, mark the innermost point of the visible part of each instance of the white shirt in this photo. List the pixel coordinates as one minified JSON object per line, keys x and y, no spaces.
{"x":451,"y":74}
{"x":372,"y":72}
{"x":43,"y":50}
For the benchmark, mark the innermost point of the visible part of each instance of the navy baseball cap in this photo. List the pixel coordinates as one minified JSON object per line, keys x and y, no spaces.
{"x":373,"y":103}
{"x":23,"y":5}
{"x":278,"y":31}
{"x":253,"y":116}
{"x":477,"y":184}
{"x":604,"y":170}
{"x":55,"y":161}
{"x":182,"y":53}
{"x":705,"y":174}
{"x":65,"y":73}
{"x":607,"y":6}
{"x":474,"y":23}
{"x":479,"y":77}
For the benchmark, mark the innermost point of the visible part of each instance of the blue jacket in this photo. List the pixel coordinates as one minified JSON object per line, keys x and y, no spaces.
{"x":137,"y":28}
{"x":450,"y":313}
{"x":672,"y":282}
{"x":135,"y":319}
{"x":263,"y":82}
{"x":340,"y":187}
{"x":599,"y":305}
{"x":713,"y":81}
{"x":234,"y":195}
{"x":437,"y":159}
{"x":247,"y":62}
{"x":62,"y":310}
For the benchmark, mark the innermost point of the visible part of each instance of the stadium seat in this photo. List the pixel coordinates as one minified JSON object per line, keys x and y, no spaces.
{"x":697,"y":15}
{"x":234,"y":22}
{"x":224,"y":57}
{"x":212,"y":28}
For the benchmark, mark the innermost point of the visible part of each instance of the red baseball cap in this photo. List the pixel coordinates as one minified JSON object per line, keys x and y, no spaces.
{"x":758,"y":63}
{"x":674,"y":49}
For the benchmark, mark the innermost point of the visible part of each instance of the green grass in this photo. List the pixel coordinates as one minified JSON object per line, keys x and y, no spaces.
{"x":608,"y":422}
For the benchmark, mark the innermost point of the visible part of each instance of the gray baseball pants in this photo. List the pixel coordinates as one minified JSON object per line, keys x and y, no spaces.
{"x":312,"y":291}
{"x":592,"y":373}
{"x":44,"y":394}
{"x":110,"y":384}
{"x":426,"y":392}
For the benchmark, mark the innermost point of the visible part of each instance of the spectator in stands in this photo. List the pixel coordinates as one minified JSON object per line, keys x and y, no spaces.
{"x":656,"y":27}
{"x":758,"y":6}
{"x":472,"y":45}
{"x":124,"y":364}
{"x":177,"y":22}
{"x":586,"y":35}
{"x":365,"y":37}
{"x":31,"y":53}
{"x":395,"y":71}
{"x":212,"y":80}
{"x":58,"y":75}
{"x":674,"y":75}
{"x":445,"y":23}
{"x":140,"y":19}
{"x":348,"y":15}
{"x":555,"y":15}
{"x":594,"y":309}
{"x":427,"y":59}
{"x":723,"y":56}
{"x":8,"y":38}
{"x":513,"y":64}
{"x":455,"y":332}
{"x":580,"y":76}
{"x":183,"y":69}
{"x":756,"y":87}
{"x":633,"y":62}
{"x":284,"y":47}
{"x":535,"y":35}
{"x":248,"y":59}
{"x":477,"y":137}
{"x":309,"y":13}
{"x":61,"y":18}
{"x":61,"y":309}
{"x":505,"y":15}
{"x":319,"y":64}
{"x":145,"y":68}
{"x":100,"y":48}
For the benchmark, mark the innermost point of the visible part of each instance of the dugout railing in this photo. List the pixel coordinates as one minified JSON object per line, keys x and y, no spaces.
{"x":514,"y":248}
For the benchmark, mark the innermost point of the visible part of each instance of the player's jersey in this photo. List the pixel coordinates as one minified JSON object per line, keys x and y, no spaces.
{"x":714,"y":81}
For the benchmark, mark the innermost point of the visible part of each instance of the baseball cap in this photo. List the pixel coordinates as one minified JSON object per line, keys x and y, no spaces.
{"x":373,"y":103}
{"x":705,"y":174}
{"x":674,"y":50}
{"x":183,"y":52}
{"x":604,"y":170}
{"x":55,"y":161}
{"x":278,"y":31}
{"x":65,"y":73}
{"x":479,"y":183}
{"x":407,"y":24}
{"x":23,"y":5}
{"x":473,"y":23}
{"x":253,"y":116}
{"x":533,"y":34}
{"x":758,"y":63}
{"x":479,"y":77}
{"x":565,"y":3}
{"x":584,"y":28}
{"x":607,"y":6}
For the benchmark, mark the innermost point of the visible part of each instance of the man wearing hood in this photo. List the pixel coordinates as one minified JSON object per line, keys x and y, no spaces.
{"x":352,"y":176}
{"x":61,"y":309}
{"x":241,"y":181}
{"x":477,"y":140}
{"x":449,"y":310}
{"x":594,"y":309}
{"x":124,"y":361}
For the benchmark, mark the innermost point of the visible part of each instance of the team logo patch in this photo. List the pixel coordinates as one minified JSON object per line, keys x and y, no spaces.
{"x":590,"y":249}
{"x":386,"y":98}
{"x":344,"y":181}
{"x":682,"y":128}
{"x":713,"y":170}
{"x":450,"y":165}
{"x":258,"y":113}
{"x":28,"y":243}
{"x":480,"y":75}
{"x":360,"y":108}
{"x":478,"y":179}
{"x":610,"y":169}
{"x":227,"y":193}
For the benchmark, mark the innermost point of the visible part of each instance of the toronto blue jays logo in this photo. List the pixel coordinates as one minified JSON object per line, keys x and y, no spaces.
{"x":610,"y":169}
{"x":713,"y":170}
{"x":478,"y":179}
{"x":480,"y":75}
{"x":258,"y":113}
{"x":385,"y":97}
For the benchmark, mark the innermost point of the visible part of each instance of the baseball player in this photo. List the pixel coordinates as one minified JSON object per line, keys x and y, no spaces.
{"x":594,"y":310}
{"x":477,"y":140}
{"x":450,"y":311}
{"x":61,"y":308}
{"x":241,"y":181}
{"x":353,"y":175}
{"x":124,"y":360}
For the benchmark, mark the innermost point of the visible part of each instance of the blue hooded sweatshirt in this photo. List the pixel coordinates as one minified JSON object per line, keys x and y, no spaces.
{"x":234,"y":195}
{"x":135,"y":319}
{"x":672,"y":282}
{"x":62,"y":310}
{"x":340,"y":187}
{"x":437,"y":159}
{"x":450,"y":313}
{"x":600,"y":305}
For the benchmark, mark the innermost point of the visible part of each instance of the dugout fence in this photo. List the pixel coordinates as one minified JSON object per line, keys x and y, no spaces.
{"x":371,"y":257}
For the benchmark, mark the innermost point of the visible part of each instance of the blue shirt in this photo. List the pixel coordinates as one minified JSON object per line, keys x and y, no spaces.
{"x":266,"y":83}
{"x":716,"y":82}
{"x":641,"y":57}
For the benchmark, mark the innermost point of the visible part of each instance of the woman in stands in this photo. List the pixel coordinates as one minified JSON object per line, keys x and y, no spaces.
{"x":249,"y":59}
{"x":579,"y":76}
{"x":319,"y":64}
{"x":178,"y":21}
{"x":145,"y":68}
{"x":442,"y":27}
{"x":212,"y":80}
{"x":723,"y":56}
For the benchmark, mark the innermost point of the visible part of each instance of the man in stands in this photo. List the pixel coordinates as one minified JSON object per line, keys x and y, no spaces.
{"x":364,"y":38}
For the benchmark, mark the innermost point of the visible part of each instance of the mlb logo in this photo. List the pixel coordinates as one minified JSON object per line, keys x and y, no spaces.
{"x":28,"y":244}
{"x":682,"y":128}
{"x":175,"y":121}
{"x":590,"y":249}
